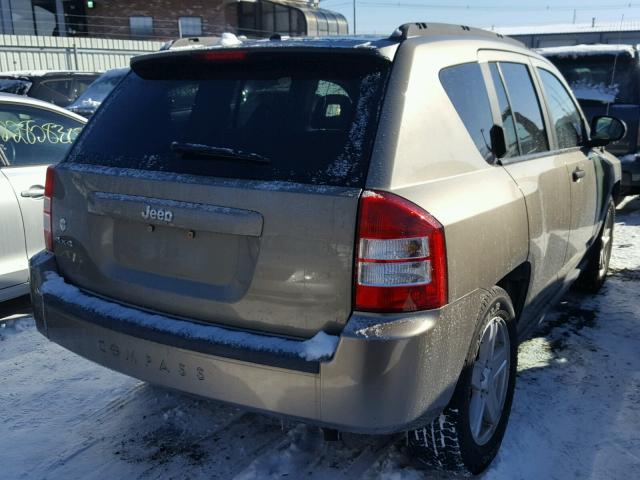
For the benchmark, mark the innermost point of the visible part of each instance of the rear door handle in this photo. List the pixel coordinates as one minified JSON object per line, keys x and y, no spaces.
{"x":35,"y":191}
{"x":578,"y":173}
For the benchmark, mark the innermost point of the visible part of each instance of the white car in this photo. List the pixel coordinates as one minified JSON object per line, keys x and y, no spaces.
{"x":33,"y":134}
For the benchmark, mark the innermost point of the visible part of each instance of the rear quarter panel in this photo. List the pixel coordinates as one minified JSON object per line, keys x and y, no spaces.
{"x":424,"y":153}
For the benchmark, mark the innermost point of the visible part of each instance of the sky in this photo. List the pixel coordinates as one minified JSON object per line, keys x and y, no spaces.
{"x":383,"y":16}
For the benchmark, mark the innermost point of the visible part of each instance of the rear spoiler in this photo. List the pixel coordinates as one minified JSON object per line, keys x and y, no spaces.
{"x":178,"y":62}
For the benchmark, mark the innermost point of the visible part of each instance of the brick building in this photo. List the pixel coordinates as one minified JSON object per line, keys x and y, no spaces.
{"x":167,"y":19}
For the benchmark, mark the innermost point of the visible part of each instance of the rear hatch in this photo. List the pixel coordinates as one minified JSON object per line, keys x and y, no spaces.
{"x":223,"y":186}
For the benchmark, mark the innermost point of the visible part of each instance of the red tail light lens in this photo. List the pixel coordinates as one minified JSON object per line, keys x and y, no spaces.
{"x":224,"y":55}
{"x":401,"y":260}
{"x":48,"y":203}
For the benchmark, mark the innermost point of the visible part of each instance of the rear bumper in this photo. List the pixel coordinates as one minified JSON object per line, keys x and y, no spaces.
{"x":386,"y":374}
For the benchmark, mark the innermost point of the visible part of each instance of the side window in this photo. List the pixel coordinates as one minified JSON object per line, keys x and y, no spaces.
{"x":564,"y":114}
{"x":34,"y":136}
{"x":508,"y":124}
{"x":466,"y":89}
{"x":526,"y":108}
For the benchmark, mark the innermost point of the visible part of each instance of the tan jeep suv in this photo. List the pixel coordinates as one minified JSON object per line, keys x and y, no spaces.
{"x":351,"y":232}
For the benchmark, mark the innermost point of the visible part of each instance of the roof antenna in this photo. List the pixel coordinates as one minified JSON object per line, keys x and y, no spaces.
{"x":615,"y":63}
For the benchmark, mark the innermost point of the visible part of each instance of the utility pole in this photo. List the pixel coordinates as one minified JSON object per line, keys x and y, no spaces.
{"x":354,"y":17}
{"x":574,"y":15}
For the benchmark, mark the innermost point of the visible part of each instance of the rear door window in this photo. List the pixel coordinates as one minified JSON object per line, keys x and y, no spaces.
{"x":35,"y":136}
{"x":467,"y":91}
{"x":567,"y":122}
{"x":530,"y":129}
{"x":306,"y":119}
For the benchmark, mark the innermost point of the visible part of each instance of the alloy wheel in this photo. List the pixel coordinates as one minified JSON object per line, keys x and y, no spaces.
{"x":489,"y":381}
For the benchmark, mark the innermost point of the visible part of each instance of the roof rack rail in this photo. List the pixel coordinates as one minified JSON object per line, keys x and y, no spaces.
{"x":422,"y":29}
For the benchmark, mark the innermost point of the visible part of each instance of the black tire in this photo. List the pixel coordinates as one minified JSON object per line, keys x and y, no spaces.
{"x":447,"y":443}
{"x":594,"y":274}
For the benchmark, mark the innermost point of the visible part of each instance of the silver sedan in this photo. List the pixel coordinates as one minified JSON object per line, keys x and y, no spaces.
{"x":33,"y":135}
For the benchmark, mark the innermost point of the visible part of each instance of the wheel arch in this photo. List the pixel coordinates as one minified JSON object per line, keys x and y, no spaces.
{"x":516,"y":284}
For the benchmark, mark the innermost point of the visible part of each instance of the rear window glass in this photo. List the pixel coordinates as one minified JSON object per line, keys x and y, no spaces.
{"x":293,"y":118}
{"x":593,"y":80}
{"x":466,"y":89}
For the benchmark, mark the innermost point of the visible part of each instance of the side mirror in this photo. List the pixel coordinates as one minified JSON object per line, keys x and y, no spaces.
{"x":606,"y":129}
{"x":498,"y":143}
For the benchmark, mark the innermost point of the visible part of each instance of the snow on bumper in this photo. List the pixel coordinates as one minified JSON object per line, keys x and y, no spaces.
{"x":383,"y":374}
{"x":320,"y":347}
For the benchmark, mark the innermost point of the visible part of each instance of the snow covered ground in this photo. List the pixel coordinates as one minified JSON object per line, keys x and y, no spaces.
{"x":576,"y":413}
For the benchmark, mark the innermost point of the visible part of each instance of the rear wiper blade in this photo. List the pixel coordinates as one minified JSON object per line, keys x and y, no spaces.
{"x":217,"y":153}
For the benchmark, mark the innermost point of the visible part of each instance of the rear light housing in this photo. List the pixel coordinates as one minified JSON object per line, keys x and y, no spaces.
{"x":224,"y":55}
{"x":47,"y":208}
{"x":401,"y":263}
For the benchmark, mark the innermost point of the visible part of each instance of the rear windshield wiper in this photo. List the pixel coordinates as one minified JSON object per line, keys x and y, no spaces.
{"x":216,"y":153}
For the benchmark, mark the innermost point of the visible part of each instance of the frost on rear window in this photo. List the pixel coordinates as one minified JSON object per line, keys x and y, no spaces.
{"x":343,"y":165}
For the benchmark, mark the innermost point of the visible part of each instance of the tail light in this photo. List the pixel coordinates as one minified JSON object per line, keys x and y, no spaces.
{"x":48,"y":203}
{"x":224,"y":55}
{"x":401,"y":259}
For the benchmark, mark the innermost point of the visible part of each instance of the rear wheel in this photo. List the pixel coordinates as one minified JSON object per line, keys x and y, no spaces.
{"x":595,"y":273}
{"x":468,"y":434}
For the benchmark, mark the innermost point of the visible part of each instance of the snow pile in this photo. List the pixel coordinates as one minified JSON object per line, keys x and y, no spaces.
{"x":631,"y":157}
{"x":287,"y":459}
{"x":576,"y":51}
{"x":89,"y":102}
{"x":320,"y":347}
{"x":14,"y":325}
{"x":229,"y":40}
{"x":584,"y":90}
